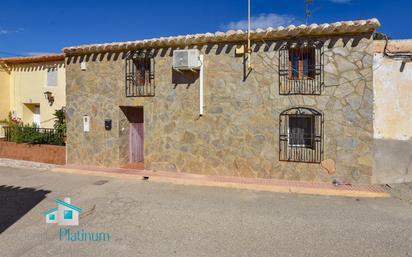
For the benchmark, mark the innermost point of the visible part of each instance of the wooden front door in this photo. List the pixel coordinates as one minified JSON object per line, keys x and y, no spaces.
{"x":136,"y":142}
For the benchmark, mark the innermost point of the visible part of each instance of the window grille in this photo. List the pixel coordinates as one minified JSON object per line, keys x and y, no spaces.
{"x":301,"y":135}
{"x":301,"y":70}
{"x":140,"y":74}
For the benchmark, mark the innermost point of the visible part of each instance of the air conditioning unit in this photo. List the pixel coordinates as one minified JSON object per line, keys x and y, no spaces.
{"x":186,"y":59}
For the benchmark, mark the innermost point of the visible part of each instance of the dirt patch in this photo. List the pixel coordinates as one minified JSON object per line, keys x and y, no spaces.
{"x":401,"y":191}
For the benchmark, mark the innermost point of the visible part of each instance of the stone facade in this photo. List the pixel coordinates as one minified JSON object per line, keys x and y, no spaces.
{"x":239,"y":132}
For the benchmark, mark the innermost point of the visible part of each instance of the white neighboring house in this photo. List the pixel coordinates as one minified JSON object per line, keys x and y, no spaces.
{"x":65,"y":214}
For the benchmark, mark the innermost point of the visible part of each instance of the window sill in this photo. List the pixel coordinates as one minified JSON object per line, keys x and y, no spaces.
{"x":304,"y":79}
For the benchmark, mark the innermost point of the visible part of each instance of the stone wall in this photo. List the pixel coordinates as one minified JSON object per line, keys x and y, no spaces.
{"x":239,"y":133}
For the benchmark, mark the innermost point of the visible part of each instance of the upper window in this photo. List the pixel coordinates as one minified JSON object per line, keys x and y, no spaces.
{"x":302,"y":63}
{"x":300,"y":70}
{"x":301,"y":135}
{"x":140,"y":74}
{"x":52,"y":77}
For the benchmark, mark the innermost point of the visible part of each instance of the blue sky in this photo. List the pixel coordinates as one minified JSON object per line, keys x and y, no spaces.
{"x":34,"y":27}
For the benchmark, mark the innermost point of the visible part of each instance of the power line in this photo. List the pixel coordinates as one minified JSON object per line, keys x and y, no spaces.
{"x":308,"y":12}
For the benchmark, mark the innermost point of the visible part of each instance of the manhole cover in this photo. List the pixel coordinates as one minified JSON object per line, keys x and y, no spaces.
{"x":100,"y":182}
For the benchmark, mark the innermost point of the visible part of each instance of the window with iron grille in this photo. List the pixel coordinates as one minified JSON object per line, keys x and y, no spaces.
{"x":301,"y":135}
{"x":140,"y":74}
{"x":301,"y":69}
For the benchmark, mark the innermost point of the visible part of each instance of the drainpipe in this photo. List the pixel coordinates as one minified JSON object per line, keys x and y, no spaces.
{"x":201,"y":85}
{"x":249,"y":50}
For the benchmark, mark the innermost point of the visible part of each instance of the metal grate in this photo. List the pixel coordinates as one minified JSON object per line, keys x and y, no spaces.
{"x":301,"y":135}
{"x":34,"y":135}
{"x":301,"y":69}
{"x":140,"y":74}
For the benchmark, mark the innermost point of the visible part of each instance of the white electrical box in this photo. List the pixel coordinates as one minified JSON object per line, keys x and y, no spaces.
{"x":86,"y":123}
{"x":83,"y":66}
{"x":186,"y":59}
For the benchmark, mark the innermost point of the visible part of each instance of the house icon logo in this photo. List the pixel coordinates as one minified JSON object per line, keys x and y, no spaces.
{"x":65,"y":214}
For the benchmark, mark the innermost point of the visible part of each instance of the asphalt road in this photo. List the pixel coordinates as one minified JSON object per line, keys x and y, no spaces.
{"x":145,"y":218}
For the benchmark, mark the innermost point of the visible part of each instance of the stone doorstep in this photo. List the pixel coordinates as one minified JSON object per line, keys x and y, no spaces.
{"x":259,"y":184}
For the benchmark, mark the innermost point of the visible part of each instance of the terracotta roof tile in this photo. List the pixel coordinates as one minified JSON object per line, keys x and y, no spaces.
{"x":31,"y":59}
{"x":337,"y":28}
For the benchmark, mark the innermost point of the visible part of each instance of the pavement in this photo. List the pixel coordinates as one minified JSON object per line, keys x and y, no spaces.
{"x":137,"y":170}
{"x":401,"y":191}
{"x":165,"y":219}
{"x":258,"y":184}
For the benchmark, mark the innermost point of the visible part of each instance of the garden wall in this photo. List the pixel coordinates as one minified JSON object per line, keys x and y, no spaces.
{"x":38,"y":153}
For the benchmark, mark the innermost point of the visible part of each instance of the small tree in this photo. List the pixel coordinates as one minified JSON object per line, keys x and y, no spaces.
{"x":60,"y":120}
{"x":60,"y":126}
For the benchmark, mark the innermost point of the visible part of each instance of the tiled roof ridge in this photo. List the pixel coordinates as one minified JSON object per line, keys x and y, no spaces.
{"x":341,"y":27}
{"x":34,"y":58}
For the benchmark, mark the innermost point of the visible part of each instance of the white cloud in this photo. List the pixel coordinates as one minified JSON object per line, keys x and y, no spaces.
{"x":262,"y":21}
{"x":36,"y":53}
{"x":340,"y":1}
{"x":6,"y":31}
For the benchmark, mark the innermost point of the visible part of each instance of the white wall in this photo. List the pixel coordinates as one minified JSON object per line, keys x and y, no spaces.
{"x":393,"y":98}
{"x":392,"y":120}
{"x":28,"y":84}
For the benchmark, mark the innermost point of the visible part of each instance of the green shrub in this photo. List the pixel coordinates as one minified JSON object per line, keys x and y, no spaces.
{"x":28,"y":134}
{"x":31,"y":134}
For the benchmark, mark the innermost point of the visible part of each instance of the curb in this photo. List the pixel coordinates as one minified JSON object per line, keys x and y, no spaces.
{"x":249,"y":184}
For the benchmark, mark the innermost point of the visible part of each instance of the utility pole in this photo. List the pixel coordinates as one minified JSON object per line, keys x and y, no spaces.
{"x":308,"y":13}
{"x":249,"y":50}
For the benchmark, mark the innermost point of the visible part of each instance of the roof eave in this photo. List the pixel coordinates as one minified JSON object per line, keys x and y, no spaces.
{"x":337,"y":28}
{"x":33,"y":59}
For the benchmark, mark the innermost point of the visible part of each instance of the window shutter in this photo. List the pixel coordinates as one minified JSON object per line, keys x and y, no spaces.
{"x":290,"y":69}
{"x":152,"y":69}
{"x":52,"y":77}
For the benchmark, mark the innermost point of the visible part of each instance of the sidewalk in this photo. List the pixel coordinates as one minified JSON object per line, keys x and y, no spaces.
{"x":5,"y":162}
{"x":271,"y":185}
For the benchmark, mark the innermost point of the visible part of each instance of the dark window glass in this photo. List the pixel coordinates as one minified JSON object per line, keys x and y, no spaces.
{"x":142,"y":65}
{"x":306,"y":63}
{"x":302,"y":63}
{"x":295,"y":65}
{"x":301,"y":131}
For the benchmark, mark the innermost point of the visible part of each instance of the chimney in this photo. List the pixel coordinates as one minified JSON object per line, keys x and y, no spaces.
{"x":67,"y":200}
